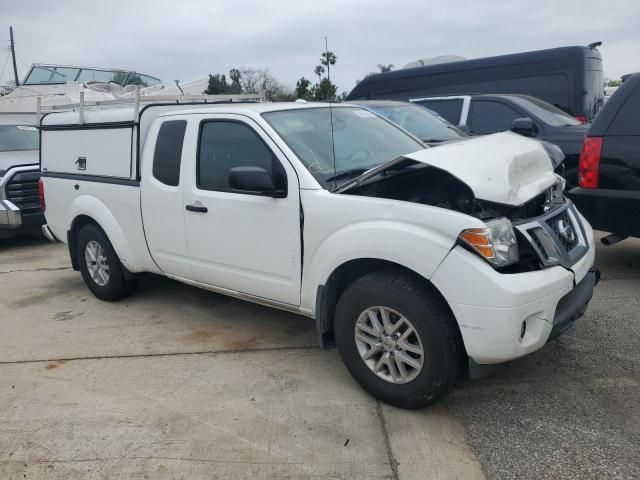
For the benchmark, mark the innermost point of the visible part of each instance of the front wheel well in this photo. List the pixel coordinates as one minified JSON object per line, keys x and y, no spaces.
{"x":328,"y":294}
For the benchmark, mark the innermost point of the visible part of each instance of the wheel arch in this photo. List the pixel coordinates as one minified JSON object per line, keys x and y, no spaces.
{"x":88,"y":209}
{"x":72,"y":236}
{"x":341,"y":277}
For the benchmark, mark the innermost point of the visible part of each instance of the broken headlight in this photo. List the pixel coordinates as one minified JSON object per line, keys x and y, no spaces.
{"x":496,"y":243}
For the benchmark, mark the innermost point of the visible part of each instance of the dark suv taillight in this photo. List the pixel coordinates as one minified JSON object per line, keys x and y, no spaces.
{"x":589,"y":168}
{"x":43,"y":205}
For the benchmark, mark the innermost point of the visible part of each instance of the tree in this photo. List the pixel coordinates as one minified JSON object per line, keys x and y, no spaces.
{"x":325,"y":90}
{"x":327,"y":59}
{"x":385,"y":68}
{"x":235,"y":76}
{"x":217,"y":85}
{"x":302,"y":89}
{"x":261,"y":81}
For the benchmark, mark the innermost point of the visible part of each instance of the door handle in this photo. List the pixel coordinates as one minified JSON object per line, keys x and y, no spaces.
{"x":197,"y":208}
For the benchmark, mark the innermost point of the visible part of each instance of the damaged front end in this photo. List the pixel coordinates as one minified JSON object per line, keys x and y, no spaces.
{"x":504,"y":180}
{"x":548,"y":230}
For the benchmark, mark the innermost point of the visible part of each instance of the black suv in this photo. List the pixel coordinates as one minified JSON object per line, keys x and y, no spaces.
{"x":609,"y":174}
{"x":529,"y":116}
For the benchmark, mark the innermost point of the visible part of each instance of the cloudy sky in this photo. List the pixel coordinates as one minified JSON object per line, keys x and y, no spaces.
{"x":188,"y":39}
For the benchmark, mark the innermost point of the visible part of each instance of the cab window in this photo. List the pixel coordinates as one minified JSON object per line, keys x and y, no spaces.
{"x":168,"y":152}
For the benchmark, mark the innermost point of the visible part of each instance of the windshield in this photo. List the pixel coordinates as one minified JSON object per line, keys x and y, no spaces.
{"x":546,"y":112}
{"x":420,"y":122}
{"x":18,"y":137}
{"x":361,"y":140}
{"x":42,"y":75}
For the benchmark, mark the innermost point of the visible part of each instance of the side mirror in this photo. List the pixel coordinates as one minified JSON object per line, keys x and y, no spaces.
{"x":524,"y":126}
{"x":254,"y":180}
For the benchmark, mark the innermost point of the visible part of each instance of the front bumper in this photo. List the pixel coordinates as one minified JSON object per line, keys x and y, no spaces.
{"x":18,"y":210}
{"x":14,"y":221}
{"x":573,"y":305}
{"x":10,"y":216}
{"x":506,"y":316}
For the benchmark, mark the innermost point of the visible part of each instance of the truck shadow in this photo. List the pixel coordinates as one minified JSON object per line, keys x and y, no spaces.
{"x":221,"y":321}
{"x":22,"y":241}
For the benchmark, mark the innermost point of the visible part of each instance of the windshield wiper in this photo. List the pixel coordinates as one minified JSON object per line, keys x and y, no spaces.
{"x":347,"y":174}
{"x":395,"y":163}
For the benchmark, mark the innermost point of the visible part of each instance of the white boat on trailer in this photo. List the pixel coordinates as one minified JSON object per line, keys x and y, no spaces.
{"x":48,"y":88}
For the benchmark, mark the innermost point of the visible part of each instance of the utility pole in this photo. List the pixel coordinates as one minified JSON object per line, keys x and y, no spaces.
{"x":13,"y":56}
{"x":326,"y":52}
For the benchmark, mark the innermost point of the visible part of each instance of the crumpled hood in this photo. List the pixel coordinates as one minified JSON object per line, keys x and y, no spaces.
{"x":504,"y":167}
{"x":17,"y":158}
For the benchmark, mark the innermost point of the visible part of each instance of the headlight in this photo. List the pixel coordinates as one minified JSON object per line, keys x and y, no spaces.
{"x":496,"y":243}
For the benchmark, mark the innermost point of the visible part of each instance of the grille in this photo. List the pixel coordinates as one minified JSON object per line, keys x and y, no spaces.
{"x":564,"y":230}
{"x":22,"y":190}
{"x":536,"y":240}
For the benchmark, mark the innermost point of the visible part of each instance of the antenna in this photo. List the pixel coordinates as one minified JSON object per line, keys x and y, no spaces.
{"x":13,"y":56}
{"x":333,"y":142}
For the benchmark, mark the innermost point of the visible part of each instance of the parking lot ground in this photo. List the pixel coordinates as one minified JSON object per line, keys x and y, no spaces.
{"x":572,"y":410}
{"x":177,"y":382}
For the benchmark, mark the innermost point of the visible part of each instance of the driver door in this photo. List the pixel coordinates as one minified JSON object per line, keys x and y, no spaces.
{"x":244,"y":242}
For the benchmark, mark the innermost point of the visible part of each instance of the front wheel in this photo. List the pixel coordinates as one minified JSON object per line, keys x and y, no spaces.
{"x":100,"y":266}
{"x":398,"y":339}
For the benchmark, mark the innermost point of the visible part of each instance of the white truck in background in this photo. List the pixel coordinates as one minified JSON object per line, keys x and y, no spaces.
{"x":20,"y":210}
{"x":416,"y":261}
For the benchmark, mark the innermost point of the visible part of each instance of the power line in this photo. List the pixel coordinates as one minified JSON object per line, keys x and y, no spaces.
{"x":6,"y":60}
{"x":23,"y":62}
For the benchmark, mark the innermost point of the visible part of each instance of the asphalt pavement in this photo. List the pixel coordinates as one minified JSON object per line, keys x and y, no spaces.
{"x":177,"y":382}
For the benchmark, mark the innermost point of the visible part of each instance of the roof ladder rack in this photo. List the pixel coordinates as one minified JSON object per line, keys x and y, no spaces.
{"x":137,"y":99}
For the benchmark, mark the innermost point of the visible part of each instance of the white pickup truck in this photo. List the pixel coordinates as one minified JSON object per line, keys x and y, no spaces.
{"x":417,"y":262}
{"x":20,"y":210}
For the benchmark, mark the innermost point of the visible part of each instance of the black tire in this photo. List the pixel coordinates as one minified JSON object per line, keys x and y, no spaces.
{"x":433,"y":322}
{"x":117,"y":285}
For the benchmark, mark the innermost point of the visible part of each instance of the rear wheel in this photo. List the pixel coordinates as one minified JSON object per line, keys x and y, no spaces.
{"x":100,"y":266}
{"x":398,"y":339}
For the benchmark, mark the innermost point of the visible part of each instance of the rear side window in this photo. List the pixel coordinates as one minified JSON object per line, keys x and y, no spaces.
{"x":491,"y":117}
{"x":166,"y":157}
{"x":552,"y":88}
{"x":450,"y":110}
{"x":627,"y":120}
{"x":224,"y":145}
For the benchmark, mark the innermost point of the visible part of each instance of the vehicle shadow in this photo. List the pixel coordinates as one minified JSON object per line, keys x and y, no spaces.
{"x":618,"y":261}
{"x":209,"y":318}
{"x":22,"y":240}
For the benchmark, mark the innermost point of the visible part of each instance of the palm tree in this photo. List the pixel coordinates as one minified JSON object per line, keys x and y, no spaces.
{"x":327,"y":59}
